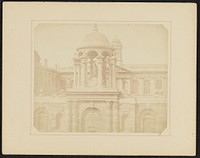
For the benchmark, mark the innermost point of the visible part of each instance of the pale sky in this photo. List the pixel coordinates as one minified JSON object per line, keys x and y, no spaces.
{"x":142,"y":43}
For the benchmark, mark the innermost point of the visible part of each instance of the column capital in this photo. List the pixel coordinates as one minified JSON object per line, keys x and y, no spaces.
{"x":99,"y":61}
{"x":76,"y":61}
{"x":84,"y":60}
{"x":100,"y":57}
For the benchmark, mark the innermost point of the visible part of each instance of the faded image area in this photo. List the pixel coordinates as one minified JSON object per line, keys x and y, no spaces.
{"x":100,"y":78}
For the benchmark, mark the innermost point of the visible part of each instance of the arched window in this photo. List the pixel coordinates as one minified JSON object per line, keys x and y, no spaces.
{"x":146,"y":87}
{"x":125,"y":85}
{"x":95,"y":70}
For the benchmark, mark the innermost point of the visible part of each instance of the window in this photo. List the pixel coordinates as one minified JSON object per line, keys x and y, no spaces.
{"x":159,"y":84}
{"x":135,"y":87}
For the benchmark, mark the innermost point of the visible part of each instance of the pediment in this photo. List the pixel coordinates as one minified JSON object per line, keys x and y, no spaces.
{"x":121,"y":69}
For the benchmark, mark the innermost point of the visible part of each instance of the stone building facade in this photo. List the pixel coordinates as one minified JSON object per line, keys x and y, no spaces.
{"x":100,"y":93}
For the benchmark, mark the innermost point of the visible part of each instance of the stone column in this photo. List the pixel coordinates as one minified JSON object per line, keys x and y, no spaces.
{"x":108,"y":120}
{"x":83,"y":72}
{"x":75,"y":75}
{"x":75,"y":117}
{"x":111,"y":116}
{"x":115,"y":117}
{"x":113,"y":63}
{"x":141,"y":86}
{"x":69,"y":116}
{"x":110,"y":75}
{"x":91,"y":68}
{"x":164,"y":86}
{"x":100,"y":70}
{"x":113,"y":76}
{"x":132,"y":118}
{"x":76,"y":64}
{"x":79,"y":75}
{"x":137,"y":117}
{"x":128,"y":86}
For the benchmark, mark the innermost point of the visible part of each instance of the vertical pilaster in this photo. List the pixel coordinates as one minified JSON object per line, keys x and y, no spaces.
{"x":115,"y":117}
{"x":136,"y":118}
{"x":113,"y":72}
{"x":76,"y":71}
{"x":75,"y":75}
{"x":100,"y":70}
{"x":132,"y":118}
{"x":152,"y":86}
{"x":79,"y":75}
{"x":141,"y":86}
{"x":75,"y":117}
{"x":69,"y":116}
{"x":83,"y":72}
{"x":128,"y":86}
{"x":110,"y":75}
{"x":108,"y":117}
{"x":91,"y":68}
{"x":164,"y":86}
{"x":114,"y":76}
{"x":111,"y":116}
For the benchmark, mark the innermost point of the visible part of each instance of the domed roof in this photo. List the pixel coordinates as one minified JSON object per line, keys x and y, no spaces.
{"x":95,"y":39}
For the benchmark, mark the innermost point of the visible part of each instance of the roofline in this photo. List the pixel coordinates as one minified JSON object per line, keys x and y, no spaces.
{"x":101,"y":47}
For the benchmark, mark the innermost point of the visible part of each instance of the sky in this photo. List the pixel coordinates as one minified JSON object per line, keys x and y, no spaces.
{"x":142,"y":43}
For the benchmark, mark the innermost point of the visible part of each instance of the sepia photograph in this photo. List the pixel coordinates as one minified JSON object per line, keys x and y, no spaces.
{"x":85,"y":80}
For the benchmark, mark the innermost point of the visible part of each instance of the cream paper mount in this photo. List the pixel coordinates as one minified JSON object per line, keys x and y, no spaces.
{"x":79,"y":81}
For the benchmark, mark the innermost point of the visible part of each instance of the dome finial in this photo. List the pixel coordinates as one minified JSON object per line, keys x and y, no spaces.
{"x":95,"y":28}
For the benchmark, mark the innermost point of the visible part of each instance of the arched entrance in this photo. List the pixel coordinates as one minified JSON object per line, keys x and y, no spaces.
{"x":91,"y":120}
{"x":148,"y":121}
{"x":41,"y":119}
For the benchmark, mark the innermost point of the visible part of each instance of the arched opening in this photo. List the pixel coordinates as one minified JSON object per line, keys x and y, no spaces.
{"x":148,"y":124}
{"x":148,"y":121}
{"x":91,"y":120}
{"x":135,"y":87}
{"x":125,"y":86}
{"x":41,"y":119}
